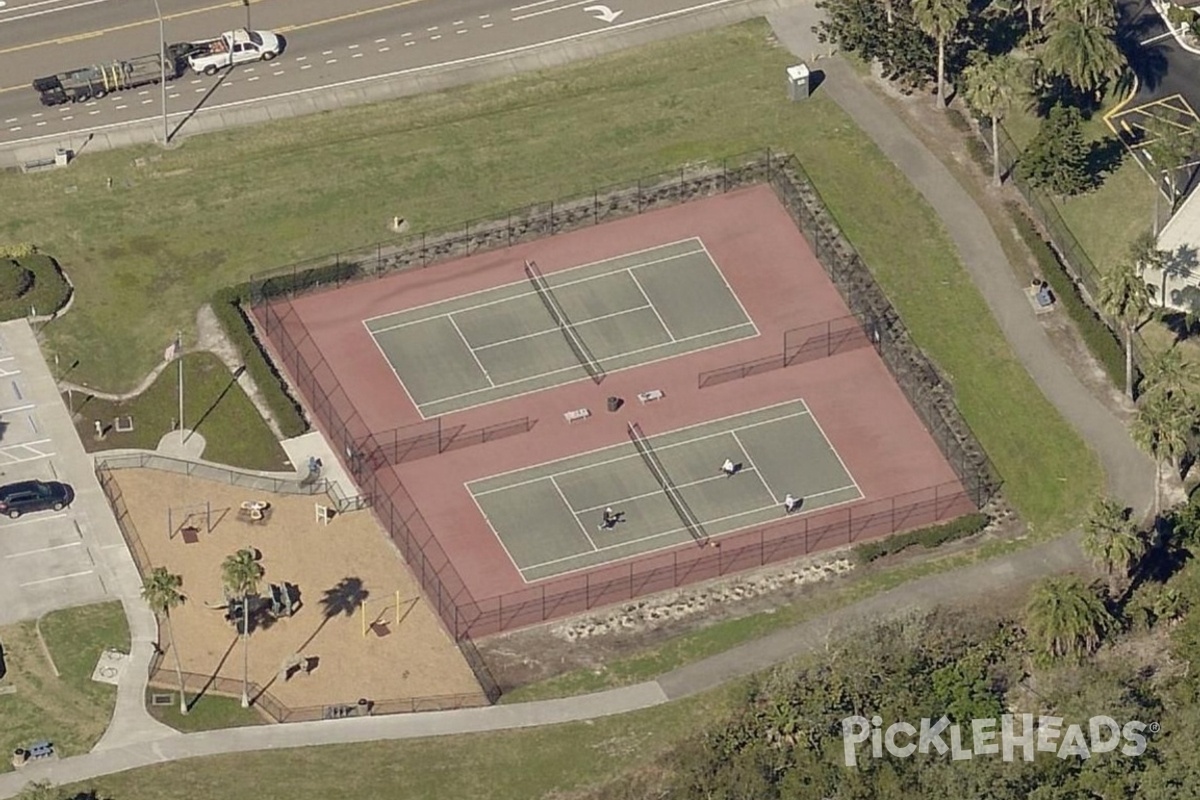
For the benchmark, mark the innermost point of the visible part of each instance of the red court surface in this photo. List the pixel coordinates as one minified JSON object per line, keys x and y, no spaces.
{"x":771,"y":269}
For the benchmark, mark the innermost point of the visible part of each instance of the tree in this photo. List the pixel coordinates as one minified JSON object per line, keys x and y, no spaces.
{"x":1084,"y":54}
{"x":1168,"y":376}
{"x":939,"y":19}
{"x":39,"y":790}
{"x":990,"y":85}
{"x":863,"y":27}
{"x":161,"y":592}
{"x":1057,"y":158}
{"x":1066,"y":618}
{"x":1110,"y":538}
{"x":1170,"y":144}
{"x":1089,"y":12}
{"x":1162,"y":428}
{"x":1125,"y":298}
{"x":241,"y":573}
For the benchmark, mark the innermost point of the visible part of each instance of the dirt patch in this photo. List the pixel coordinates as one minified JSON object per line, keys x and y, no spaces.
{"x":415,"y":658}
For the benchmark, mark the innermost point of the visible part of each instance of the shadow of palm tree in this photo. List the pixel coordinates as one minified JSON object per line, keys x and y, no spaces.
{"x":213,"y":677}
{"x":342,"y":599}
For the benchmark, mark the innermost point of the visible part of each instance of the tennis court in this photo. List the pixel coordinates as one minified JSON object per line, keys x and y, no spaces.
{"x":560,"y":326}
{"x":666,"y":490}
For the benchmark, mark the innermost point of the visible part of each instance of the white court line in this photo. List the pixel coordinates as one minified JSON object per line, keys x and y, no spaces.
{"x":510,"y":298}
{"x":58,"y":578}
{"x":471,"y":350}
{"x":829,"y":444}
{"x":672,"y":531}
{"x":45,"y":549}
{"x":556,"y":329}
{"x":525,"y":281}
{"x":642,"y":291}
{"x":658,"y":448}
{"x":658,"y":492}
{"x":576,"y":366}
{"x":727,"y":286}
{"x":574,"y":516}
{"x":746,"y":455}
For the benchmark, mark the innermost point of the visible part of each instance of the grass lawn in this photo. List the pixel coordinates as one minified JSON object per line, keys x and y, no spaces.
{"x":71,"y":710}
{"x":473,"y":152}
{"x":44,"y":289}
{"x":540,"y":762}
{"x":205,"y":713}
{"x":214,"y":406}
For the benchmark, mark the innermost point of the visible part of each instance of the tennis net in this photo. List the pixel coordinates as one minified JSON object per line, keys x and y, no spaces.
{"x":586,"y":359}
{"x":669,"y":489}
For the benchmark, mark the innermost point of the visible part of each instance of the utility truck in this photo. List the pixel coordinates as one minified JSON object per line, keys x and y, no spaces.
{"x":95,"y":81}
{"x":232,"y":48}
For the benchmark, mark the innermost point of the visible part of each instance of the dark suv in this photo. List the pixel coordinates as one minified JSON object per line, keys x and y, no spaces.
{"x":19,"y":498}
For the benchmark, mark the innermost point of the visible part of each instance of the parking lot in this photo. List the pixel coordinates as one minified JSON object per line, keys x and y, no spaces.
{"x":48,"y":559}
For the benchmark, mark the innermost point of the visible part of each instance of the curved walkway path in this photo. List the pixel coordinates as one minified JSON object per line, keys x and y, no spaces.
{"x":1130,"y":477}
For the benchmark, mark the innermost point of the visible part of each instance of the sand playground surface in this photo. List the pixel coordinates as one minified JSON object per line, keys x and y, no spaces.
{"x":406,"y":652}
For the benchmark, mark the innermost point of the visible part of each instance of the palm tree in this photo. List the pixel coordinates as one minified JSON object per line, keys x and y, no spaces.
{"x":161,"y":592}
{"x":1110,"y":538}
{"x":1065,"y":617}
{"x":938,"y":19}
{"x":1125,"y":298}
{"x":991,"y":84}
{"x":1162,"y":428}
{"x":1086,"y":55}
{"x":241,"y":573}
{"x":1168,"y":376}
{"x":1089,"y":12}
{"x":1170,"y":144}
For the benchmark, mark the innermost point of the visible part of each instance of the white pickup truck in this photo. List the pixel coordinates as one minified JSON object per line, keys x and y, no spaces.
{"x":232,"y":48}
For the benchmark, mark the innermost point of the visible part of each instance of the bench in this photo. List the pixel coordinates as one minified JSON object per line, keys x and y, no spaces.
{"x":650,"y":396}
{"x":576,"y":415}
{"x":42,"y":749}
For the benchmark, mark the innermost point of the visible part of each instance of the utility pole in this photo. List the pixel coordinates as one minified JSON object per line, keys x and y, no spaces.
{"x":179,"y":359}
{"x":162,"y":83}
{"x":246,"y":3}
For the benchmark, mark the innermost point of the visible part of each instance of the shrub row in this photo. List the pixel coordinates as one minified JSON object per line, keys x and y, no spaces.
{"x":1098,"y":337}
{"x":47,"y":292}
{"x":929,"y":538}
{"x":227,"y":304}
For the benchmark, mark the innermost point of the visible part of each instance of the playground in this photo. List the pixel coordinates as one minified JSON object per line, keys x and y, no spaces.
{"x":346,"y":621}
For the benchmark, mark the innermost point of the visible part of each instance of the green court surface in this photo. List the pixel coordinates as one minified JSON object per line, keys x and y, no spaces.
{"x":503,"y":342}
{"x":548,"y":517}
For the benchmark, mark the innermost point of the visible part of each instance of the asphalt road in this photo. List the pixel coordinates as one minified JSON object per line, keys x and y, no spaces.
{"x":325,"y":46}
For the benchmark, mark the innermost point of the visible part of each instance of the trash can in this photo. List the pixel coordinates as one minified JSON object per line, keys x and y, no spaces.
{"x":798,"y":77}
{"x":614,"y":403}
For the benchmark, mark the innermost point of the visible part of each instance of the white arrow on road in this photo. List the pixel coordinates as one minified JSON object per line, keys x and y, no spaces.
{"x":603,"y":13}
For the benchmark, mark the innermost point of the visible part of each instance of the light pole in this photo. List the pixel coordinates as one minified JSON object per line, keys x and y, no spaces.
{"x":246,"y":3}
{"x":162,"y":83}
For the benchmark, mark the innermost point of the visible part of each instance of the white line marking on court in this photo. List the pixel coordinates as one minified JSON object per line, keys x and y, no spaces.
{"x":470,"y":350}
{"x":576,"y":366}
{"x":727,"y":286}
{"x":658,"y":448}
{"x":574,"y":516}
{"x":746,"y":455}
{"x":673,"y":531}
{"x":510,"y":298}
{"x":642,"y":291}
{"x":556,"y":329}
{"x":525,"y":281}
{"x":44,"y":550}
{"x":829,"y":444}
{"x":495,"y":532}
{"x":58,"y":578}
{"x":658,"y":492}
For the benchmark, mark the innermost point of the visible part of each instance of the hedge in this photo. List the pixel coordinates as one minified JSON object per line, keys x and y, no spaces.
{"x":1099,"y":338}
{"x":49,"y":292}
{"x":929,"y":538}
{"x":227,"y":305}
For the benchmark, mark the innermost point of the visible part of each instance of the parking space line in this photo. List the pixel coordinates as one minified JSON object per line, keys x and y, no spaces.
{"x":13,"y":410}
{"x":45,"y":550}
{"x":58,"y":578}
{"x":27,"y":520}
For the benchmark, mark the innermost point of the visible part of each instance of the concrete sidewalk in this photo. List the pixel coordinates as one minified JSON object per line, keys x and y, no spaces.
{"x":1130,"y":476}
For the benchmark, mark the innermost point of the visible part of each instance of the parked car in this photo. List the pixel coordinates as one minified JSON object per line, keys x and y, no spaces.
{"x":20,"y":498}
